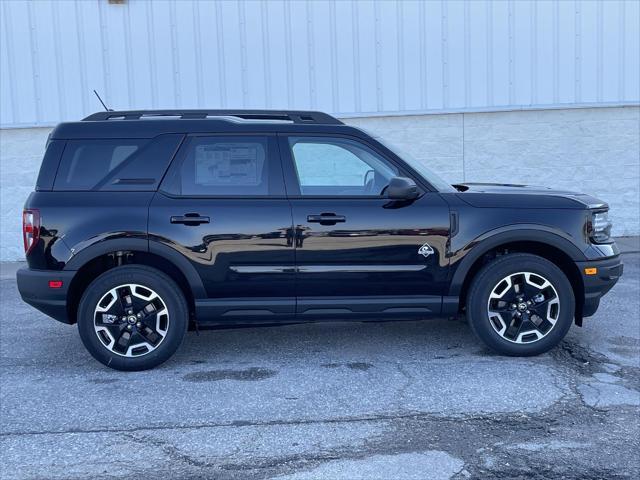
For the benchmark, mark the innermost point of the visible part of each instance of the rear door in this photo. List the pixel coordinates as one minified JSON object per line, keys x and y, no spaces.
{"x":357,"y":252}
{"x":223,"y":206}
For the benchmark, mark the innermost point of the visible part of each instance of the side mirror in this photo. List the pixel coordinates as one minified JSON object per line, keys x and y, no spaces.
{"x":402,"y":188}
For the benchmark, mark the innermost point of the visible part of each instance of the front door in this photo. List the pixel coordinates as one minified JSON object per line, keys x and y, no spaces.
{"x":222,"y":205}
{"x":357,"y":252}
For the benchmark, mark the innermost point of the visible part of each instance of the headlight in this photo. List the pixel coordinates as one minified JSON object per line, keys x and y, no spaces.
{"x":600,"y":227}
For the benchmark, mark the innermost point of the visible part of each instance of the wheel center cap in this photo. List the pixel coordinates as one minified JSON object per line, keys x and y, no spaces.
{"x":522,"y":306}
{"x":131,"y":319}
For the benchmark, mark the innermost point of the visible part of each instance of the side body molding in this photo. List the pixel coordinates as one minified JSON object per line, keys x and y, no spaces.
{"x":463,"y":257}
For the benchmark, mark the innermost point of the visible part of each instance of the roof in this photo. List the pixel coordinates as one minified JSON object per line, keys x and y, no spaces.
{"x":294,"y":116}
{"x":150,"y":123}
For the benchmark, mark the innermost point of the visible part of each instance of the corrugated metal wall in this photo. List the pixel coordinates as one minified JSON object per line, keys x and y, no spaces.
{"x":349,"y":58}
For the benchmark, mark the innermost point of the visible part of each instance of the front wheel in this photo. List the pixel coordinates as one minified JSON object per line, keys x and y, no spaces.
{"x":520,"y":304}
{"x":132,"y":318}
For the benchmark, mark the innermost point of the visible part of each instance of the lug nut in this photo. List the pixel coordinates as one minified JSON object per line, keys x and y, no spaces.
{"x":139,"y":315}
{"x":128,"y":327}
{"x":139,"y":324}
{"x":528,"y":311}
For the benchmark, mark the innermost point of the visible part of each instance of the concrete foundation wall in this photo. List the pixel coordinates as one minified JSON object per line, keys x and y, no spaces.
{"x":21,"y":152}
{"x":594,"y":150}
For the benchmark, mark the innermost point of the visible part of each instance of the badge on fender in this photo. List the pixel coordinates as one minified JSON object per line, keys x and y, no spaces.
{"x":425,"y":250}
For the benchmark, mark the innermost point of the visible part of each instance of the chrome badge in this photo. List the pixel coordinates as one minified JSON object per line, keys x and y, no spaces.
{"x":425,"y":250}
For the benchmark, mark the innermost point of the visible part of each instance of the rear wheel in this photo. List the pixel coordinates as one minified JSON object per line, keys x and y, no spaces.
{"x":132,"y":318}
{"x":520,"y":304}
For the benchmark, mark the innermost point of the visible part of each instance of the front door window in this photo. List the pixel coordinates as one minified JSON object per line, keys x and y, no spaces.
{"x":339,"y":167}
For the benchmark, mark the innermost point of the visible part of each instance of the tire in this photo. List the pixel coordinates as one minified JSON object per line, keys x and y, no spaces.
{"x":495,"y":291}
{"x":132,"y":318}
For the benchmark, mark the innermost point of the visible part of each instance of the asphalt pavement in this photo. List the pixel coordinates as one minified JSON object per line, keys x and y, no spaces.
{"x":394,"y":400}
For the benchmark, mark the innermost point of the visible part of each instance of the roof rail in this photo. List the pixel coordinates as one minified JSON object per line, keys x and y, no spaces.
{"x":295,"y":116}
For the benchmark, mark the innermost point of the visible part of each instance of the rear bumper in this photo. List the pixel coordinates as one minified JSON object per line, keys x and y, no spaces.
{"x":596,"y":286}
{"x":34,"y":289}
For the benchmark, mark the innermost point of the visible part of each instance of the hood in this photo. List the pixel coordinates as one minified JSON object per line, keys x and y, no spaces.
{"x":501,"y":195}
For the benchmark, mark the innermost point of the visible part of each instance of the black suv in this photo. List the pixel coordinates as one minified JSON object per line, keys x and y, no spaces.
{"x":144,"y":223}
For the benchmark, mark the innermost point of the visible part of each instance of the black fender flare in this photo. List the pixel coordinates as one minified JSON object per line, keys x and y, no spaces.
{"x":183,"y":264}
{"x":514,"y":233}
{"x":77,"y":261}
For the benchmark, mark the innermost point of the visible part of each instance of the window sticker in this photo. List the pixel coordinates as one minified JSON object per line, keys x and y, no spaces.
{"x":228,"y":164}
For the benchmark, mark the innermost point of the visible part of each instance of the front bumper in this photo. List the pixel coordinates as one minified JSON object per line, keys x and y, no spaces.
{"x":34,"y":289}
{"x":596,"y":286}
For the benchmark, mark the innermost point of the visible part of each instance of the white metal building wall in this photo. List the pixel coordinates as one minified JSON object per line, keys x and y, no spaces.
{"x":352,"y":58}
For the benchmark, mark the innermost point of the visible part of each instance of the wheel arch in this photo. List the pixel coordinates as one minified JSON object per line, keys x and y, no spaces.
{"x":99,"y":258}
{"x":551,"y":246}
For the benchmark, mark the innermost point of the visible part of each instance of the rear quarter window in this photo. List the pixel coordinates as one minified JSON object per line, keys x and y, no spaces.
{"x":115,"y":164}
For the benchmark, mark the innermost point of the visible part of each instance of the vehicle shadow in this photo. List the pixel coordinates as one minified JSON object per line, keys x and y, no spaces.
{"x":336,"y":342}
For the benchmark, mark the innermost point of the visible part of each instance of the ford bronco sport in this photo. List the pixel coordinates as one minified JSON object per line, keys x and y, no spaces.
{"x":143,"y":223}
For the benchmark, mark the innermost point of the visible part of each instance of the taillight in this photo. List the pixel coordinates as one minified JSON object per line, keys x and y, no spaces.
{"x":30,"y":229}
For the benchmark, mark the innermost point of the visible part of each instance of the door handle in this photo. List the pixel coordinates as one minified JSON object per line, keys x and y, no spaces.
{"x":326,"y":219}
{"x":190,"y":219}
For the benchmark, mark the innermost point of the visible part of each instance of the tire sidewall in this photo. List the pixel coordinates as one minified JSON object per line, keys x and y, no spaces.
{"x":157,"y":281}
{"x":491,"y":275}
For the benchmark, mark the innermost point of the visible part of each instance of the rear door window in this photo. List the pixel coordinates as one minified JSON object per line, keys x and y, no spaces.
{"x":115,"y":164}
{"x":226,"y":166}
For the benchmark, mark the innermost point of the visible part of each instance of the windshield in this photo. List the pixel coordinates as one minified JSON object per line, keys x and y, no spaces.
{"x":429,"y":175}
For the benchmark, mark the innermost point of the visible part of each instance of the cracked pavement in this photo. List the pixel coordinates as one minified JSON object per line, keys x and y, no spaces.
{"x":397,"y":400}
